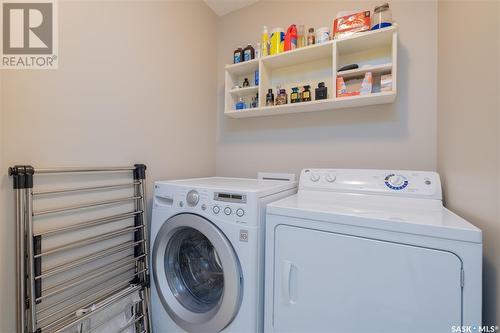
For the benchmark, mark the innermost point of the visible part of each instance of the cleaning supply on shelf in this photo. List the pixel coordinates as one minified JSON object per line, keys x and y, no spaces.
{"x":269,"y":98}
{"x":366,"y":86}
{"x":301,"y":36}
{"x":256,"y":77}
{"x":382,"y":16}
{"x":277,"y":41}
{"x":264,"y":43}
{"x":348,"y":24}
{"x":306,"y":94}
{"x":238,"y":55}
{"x":255,"y":101}
{"x":311,"y":39}
{"x":341,"y":87}
{"x":322,"y":35}
{"x":282,"y":97}
{"x":290,"y":42}
{"x":257,"y":51}
{"x":246,"y":83}
{"x":348,"y":67}
{"x":241,"y":104}
{"x":342,"y":90}
{"x":321,"y":92}
{"x":295,"y":95}
{"x":386,"y":82}
{"x":248,"y":53}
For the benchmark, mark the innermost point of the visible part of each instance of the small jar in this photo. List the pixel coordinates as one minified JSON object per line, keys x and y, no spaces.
{"x":282,"y":98}
{"x":322,"y":35}
{"x":295,"y":95}
{"x":246,"y":83}
{"x":306,"y":94}
{"x":382,"y":16}
{"x":310,"y":37}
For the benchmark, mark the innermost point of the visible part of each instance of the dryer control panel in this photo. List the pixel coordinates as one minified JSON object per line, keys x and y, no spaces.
{"x":404,"y":183}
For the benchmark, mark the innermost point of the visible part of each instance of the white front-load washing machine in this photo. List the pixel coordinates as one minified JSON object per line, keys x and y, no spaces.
{"x":207,"y":253}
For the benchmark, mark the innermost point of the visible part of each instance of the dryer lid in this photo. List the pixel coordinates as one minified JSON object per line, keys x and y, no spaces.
{"x":409,"y":215}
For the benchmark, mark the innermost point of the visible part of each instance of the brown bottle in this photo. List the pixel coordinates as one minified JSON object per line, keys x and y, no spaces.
{"x":238,"y":55}
{"x":306,"y":94}
{"x":248,"y":53}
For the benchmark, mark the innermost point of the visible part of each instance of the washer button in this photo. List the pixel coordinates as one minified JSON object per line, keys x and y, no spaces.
{"x":240,"y":212}
{"x":227,"y":211}
{"x":181,"y":204}
{"x":203,"y":207}
{"x":216,"y":209}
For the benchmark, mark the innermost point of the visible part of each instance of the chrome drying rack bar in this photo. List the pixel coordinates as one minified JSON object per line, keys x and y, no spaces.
{"x":29,"y":255}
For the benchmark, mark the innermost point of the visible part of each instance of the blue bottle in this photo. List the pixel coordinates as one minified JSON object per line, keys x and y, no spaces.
{"x":241,"y":104}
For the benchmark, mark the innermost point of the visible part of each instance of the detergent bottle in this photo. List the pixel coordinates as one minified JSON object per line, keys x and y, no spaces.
{"x":291,"y":38}
{"x":264,"y":43}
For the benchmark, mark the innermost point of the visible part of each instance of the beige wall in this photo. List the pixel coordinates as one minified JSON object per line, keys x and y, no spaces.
{"x":469,"y":126}
{"x":135,"y":84}
{"x":400,"y":135}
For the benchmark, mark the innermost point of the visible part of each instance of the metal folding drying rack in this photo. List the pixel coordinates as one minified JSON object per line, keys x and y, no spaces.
{"x":30,"y":276}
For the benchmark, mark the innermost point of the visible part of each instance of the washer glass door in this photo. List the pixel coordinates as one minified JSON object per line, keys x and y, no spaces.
{"x":194,"y":271}
{"x":197,"y":273}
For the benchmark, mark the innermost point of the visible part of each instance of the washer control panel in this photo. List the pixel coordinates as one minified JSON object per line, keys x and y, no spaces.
{"x":383,"y":182}
{"x":227,"y":206}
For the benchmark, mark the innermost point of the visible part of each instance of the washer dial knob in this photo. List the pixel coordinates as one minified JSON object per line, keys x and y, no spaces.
{"x":396,"y":182}
{"x":216,"y":209}
{"x":314,"y":177}
{"x":240,"y":212}
{"x":227,"y":211}
{"x":192,"y":198}
{"x":330,"y":178}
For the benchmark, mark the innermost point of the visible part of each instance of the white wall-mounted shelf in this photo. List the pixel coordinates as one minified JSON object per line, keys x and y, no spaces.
{"x":374,"y":51}
{"x":245,"y":91}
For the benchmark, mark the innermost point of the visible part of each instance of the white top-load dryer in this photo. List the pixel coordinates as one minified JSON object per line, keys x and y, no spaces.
{"x":370,"y":251}
{"x":207,"y":251}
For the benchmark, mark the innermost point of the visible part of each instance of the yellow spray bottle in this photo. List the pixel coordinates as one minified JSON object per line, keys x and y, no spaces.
{"x":264,"y":44}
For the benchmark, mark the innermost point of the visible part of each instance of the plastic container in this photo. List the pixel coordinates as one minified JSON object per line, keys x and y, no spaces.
{"x":311,"y":37}
{"x":277,"y":41}
{"x":241,"y":104}
{"x":301,"y":36}
{"x":248,"y":53}
{"x":322,"y":35}
{"x":382,"y":17}
{"x":290,"y":38}
{"x":264,"y":43}
{"x":238,"y":55}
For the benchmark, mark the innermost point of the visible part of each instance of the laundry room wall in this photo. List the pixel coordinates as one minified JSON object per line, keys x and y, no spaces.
{"x":395,"y":136}
{"x":469,"y":127}
{"x":136,"y":83}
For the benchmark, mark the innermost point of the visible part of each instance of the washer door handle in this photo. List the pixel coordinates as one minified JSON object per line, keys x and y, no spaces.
{"x":288,"y":268}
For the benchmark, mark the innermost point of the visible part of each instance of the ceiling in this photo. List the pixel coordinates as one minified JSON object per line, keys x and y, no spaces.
{"x":223,"y":7}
